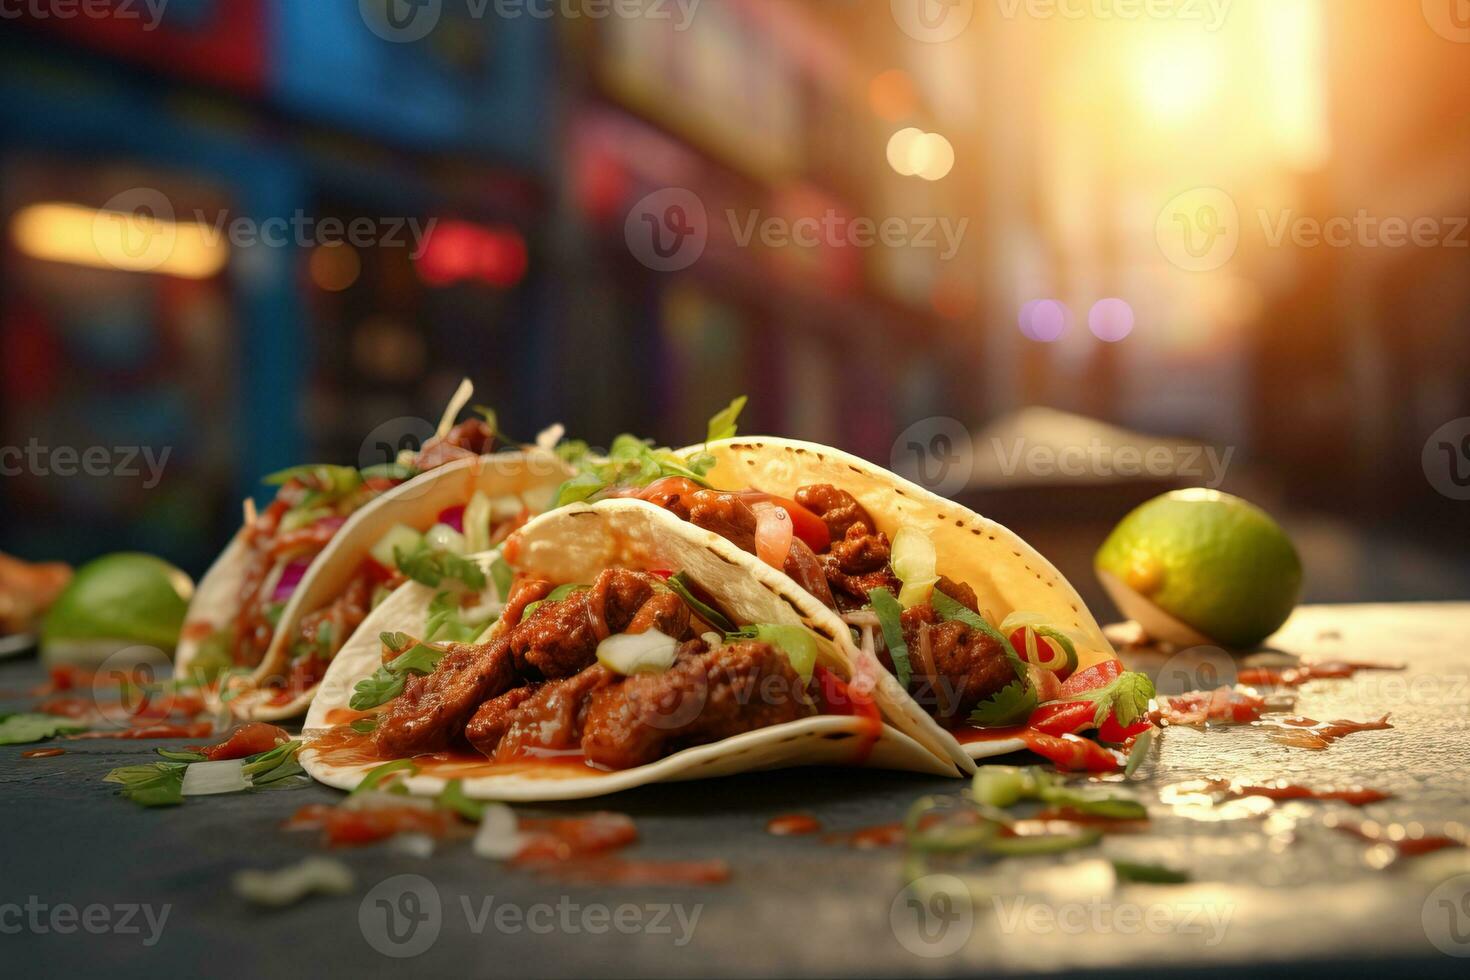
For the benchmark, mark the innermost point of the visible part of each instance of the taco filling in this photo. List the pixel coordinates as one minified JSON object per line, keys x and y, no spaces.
{"x":964,"y":666}
{"x":830,"y":546}
{"x":312,"y":504}
{"x":613,"y":675}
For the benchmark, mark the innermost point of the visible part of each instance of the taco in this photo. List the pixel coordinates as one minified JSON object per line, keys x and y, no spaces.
{"x":299,"y":578}
{"x":968,"y":624}
{"x":631,"y":648}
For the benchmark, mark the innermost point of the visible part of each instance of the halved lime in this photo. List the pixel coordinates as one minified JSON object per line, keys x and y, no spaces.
{"x":1195,"y":567}
{"x":115,"y":602}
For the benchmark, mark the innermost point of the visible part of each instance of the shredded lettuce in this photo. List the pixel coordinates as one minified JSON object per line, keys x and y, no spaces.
{"x":725,"y":424}
{"x":634,"y":462}
{"x":430,"y":567}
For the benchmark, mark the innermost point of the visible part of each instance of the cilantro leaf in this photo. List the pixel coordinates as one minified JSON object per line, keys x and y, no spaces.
{"x":1011,"y":705}
{"x":23,"y":729}
{"x":889,"y":617}
{"x":724,"y":425}
{"x":387,"y":681}
{"x":1128,"y":695}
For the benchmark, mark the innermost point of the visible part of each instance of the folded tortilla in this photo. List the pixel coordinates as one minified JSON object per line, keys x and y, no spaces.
{"x":1007,"y":574}
{"x":531,"y":476}
{"x":573,"y":545}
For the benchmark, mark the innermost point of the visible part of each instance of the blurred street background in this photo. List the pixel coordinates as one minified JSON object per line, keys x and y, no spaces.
{"x":1048,"y":256}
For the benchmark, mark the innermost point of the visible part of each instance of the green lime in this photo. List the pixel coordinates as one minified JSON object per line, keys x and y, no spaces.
{"x":114,"y":602}
{"x":1196,"y":566}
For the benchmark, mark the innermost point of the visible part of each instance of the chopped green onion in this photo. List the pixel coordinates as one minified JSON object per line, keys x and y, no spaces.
{"x":796,"y":642}
{"x":452,"y":797}
{"x":1001,"y":786}
{"x":1139,"y":752}
{"x":679,"y":585}
{"x":913,"y":560}
{"x":375,"y":777}
{"x":213,"y":778}
{"x":890,"y":615}
{"x":1151,"y":874}
{"x":399,"y":536}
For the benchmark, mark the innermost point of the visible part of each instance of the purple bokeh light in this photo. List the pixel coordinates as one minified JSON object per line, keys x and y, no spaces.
{"x":1111,"y":320}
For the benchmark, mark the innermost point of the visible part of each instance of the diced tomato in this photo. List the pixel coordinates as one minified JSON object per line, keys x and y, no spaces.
{"x":67,"y":678}
{"x":350,"y":827}
{"x":67,"y":707}
{"x":841,"y":699}
{"x":380,"y":484}
{"x":245,"y":740}
{"x":662,"y":573}
{"x":1115,"y":733}
{"x":1071,"y":752}
{"x":1059,"y":718}
{"x":563,"y":838}
{"x":1062,"y":717}
{"x":1094,"y":677}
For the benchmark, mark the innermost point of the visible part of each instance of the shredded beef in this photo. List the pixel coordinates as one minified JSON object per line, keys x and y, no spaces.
{"x":550,"y":720}
{"x":705,"y":697}
{"x":494,"y":718}
{"x":838,"y":509}
{"x":559,"y":640}
{"x":970,"y":665}
{"x":432,"y":710}
{"x":857,"y":564}
{"x":471,"y":438}
{"x":725,"y":514}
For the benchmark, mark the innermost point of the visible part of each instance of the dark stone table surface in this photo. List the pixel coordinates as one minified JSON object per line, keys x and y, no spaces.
{"x":1275,"y":888}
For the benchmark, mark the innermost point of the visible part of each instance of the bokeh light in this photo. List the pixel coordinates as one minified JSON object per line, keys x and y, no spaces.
{"x":1111,"y":319}
{"x":892,"y":96}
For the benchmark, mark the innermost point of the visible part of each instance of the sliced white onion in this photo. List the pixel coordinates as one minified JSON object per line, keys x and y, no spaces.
{"x":650,"y":652}
{"x":862,"y":617}
{"x":210,"y":778}
{"x":549,"y":437}
{"x":499,"y":836}
{"x":714,"y":639}
{"x":412,"y":845}
{"x":291,"y":884}
{"x":377,"y":799}
{"x":773,"y":533}
{"x":442,"y":537}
